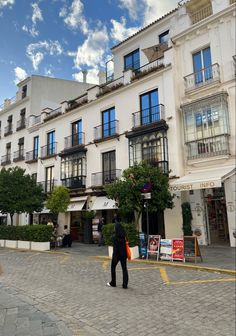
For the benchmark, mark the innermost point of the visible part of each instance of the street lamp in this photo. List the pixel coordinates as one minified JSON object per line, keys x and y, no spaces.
{"x":147,"y":196}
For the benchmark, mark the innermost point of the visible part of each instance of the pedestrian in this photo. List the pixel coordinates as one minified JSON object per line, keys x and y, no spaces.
{"x":67,"y":239}
{"x":100,"y":226}
{"x":119,"y":255}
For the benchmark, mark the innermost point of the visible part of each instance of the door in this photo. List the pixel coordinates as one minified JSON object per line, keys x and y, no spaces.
{"x":77,"y":133}
{"x":202,"y":65}
{"x":109,"y":167}
{"x":149,"y":107}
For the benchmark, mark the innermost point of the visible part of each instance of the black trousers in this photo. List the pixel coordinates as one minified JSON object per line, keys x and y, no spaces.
{"x":114,"y":262}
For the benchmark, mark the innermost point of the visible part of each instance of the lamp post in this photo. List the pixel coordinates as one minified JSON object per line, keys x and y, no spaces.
{"x":147,"y":196}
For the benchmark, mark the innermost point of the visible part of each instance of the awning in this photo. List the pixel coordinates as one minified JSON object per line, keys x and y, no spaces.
{"x":77,"y":203}
{"x":202,"y":179}
{"x":2,"y":214}
{"x":103,"y":203}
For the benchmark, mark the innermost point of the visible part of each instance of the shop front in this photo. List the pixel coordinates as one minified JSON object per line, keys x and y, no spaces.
{"x":211,"y":194}
{"x":75,"y":208}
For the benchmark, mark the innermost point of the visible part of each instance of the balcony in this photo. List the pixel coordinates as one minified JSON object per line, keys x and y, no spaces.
{"x":31,"y":156}
{"x":18,"y":156}
{"x":5,"y":160}
{"x":21,"y":124}
{"x":201,"y":14}
{"x":75,"y":182}
{"x":53,"y":114}
{"x":148,"y":68}
{"x":111,"y":86}
{"x":208,"y":147}
{"x":81,"y":100}
{"x":48,"y":185}
{"x":201,"y":78}
{"x":107,"y":177}
{"x":48,"y":151}
{"x":106,"y":131}
{"x":74,"y":140}
{"x":8,"y":130}
{"x":148,"y":116}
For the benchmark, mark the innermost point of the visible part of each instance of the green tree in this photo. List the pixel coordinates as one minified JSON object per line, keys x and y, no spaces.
{"x":58,"y":200}
{"x":127,"y":191}
{"x":187,"y":219}
{"x":19,"y":192}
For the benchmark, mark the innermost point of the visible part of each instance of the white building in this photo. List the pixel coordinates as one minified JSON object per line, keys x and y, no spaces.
{"x":171,"y":103}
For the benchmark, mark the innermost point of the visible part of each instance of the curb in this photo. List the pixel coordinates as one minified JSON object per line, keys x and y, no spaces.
{"x":183,"y":265}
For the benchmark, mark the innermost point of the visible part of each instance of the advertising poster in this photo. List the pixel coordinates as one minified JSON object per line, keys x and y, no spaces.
{"x":166,"y":249}
{"x":154,"y":246}
{"x":142,"y":245}
{"x":177,"y":249}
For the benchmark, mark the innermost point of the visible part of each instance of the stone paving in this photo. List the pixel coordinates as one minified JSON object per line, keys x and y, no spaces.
{"x":61,"y":293}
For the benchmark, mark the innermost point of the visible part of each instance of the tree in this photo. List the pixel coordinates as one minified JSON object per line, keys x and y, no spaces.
{"x":19,"y":192}
{"x":187,"y":219}
{"x":58,"y":200}
{"x":127,"y":191}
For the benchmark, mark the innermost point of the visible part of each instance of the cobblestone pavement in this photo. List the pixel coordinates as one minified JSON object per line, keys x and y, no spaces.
{"x":59,"y":293}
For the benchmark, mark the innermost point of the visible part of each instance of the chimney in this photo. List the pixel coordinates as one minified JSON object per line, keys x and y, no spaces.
{"x":84,"y":72}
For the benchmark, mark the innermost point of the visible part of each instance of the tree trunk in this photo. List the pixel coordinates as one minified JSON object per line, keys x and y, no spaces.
{"x":11,"y":215}
{"x":138,"y":223}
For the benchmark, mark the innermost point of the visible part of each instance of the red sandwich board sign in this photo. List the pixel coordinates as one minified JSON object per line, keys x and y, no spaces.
{"x":178,"y":249}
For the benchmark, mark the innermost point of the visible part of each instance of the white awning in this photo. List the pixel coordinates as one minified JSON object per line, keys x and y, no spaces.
{"x":2,"y":214}
{"x":202,"y":179}
{"x":77,"y":203}
{"x":103,"y":203}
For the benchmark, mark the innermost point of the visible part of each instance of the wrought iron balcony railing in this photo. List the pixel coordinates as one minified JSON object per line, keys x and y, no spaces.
{"x":48,"y":185}
{"x":150,"y":67}
{"x":31,"y":156}
{"x":75,"y":182}
{"x":105,"y":177}
{"x":48,"y":150}
{"x":149,"y":115}
{"x":201,"y":14}
{"x":202,"y":77}
{"x":8,"y":130}
{"x":110,"y":86}
{"x":77,"y":139}
{"x":5,"y":160}
{"x":106,"y":130}
{"x":208,"y":147}
{"x":18,"y":155}
{"x":21,"y":124}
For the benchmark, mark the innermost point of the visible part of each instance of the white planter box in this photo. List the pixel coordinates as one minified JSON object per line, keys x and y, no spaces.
{"x":38,"y":246}
{"x":2,"y":243}
{"x":134,"y":252}
{"x":11,"y":243}
{"x":23,"y":244}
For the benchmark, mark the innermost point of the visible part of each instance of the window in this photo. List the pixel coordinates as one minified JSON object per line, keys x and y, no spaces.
{"x":132,"y":60}
{"x":73,"y":171}
{"x":202,"y":65}
{"x":77,"y":133}
{"x":34,"y":176}
{"x":8,"y":151}
{"x":108,"y":122}
{"x":149,"y":107}
{"x":49,"y":183}
{"x":21,"y":147}
{"x":109,"y":167}
{"x":164,"y":37}
{"x":51,"y":143}
{"x":24,"y":91}
{"x":36,"y":148}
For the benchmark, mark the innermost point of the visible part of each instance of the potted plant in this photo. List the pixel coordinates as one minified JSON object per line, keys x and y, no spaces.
{"x":131,"y":235}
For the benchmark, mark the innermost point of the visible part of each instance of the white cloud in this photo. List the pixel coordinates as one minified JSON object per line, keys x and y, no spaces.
{"x":36,"y":16}
{"x":73,"y":16}
{"x":154,"y":9}
{"x":37,"y":51}
{"x":92,"y":76}
{"x":91,"y":53}
{"x":20,"y":74}
{"x":134,"y":7}
{"x":119,"y":32}
{"x":4,"y":3}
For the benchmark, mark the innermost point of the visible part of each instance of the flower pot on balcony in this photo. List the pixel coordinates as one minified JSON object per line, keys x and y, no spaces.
{"x":11,"y":243}
{"x":40,"y":246}
{"x":24,"y":244}
{"x":134,"y":252}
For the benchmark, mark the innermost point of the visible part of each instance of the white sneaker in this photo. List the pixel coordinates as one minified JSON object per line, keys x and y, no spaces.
{"x":108,"y":284}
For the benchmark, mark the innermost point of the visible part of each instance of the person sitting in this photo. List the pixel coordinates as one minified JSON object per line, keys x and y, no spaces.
{"x":67,"y":239}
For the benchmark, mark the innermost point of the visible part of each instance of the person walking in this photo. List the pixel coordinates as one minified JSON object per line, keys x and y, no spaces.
{"x":119,"y":255}
{"x":67,"y":239}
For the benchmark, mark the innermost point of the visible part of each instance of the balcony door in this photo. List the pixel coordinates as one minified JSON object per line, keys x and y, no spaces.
{"x":108,"y":123}
{"x":202,"y":65}
{"x":109,"y":167}
{"x":149,"y":103}
{"x":51,"y":143}
{"x":36,"y":148}
{"x":77,"y":133}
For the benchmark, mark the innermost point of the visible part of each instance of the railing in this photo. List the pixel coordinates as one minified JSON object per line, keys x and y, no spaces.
{"x":75,"y":140}
{"x":8,"y":102}
{"x":202,"y":77}
{"x":110,"y":86}
{"x":106,"y":130}
{"x":8,"y":130}
{"x":201,"y":14}
{"x":149,"y":115}
{"x":53,"y":114}
{"x":36,"y":120}
{"x":31,"y":156}
{"x":208,"y":147}
{"x":20,"y":124}
{"x":18,"y":155}
{"x":75,"y":182}
{"x":106,"y":177}
{"x":133,"y":66}
{"x":48,"y":150}
{"x":5,"y":159}
{"x":48,"y":185}
{"x":81,"y":100}
{"x":150,"y":66}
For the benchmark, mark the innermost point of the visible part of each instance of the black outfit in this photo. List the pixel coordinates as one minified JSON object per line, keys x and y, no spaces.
{"x":67,"y":240}
{"x":119,"y":254}
{"x":100,"y":241}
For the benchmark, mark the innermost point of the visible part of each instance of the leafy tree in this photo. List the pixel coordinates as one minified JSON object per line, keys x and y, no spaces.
{"x":58,"y":200}
{"x":127,"y":191}
{"x":187,"y":218}
{"x":19,"y":192}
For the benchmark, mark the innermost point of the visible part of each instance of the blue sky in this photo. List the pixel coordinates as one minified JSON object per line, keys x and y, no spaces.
{"x":59,"y":38}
